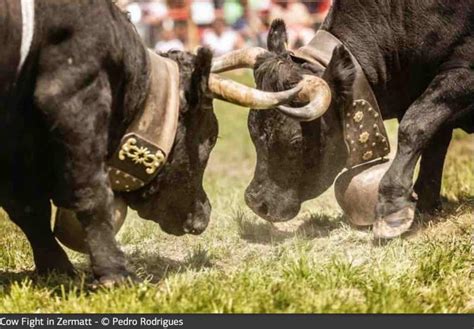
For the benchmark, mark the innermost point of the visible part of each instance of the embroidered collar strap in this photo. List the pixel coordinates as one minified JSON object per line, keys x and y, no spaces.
{"x":364,"y":131}
{"x":147,"y":143}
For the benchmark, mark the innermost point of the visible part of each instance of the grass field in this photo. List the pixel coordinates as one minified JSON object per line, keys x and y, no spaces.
{"x":314,"y":263}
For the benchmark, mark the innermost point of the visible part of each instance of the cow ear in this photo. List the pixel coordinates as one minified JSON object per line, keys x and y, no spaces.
{"x":340,"y":74}
{"x":277,"y":39}
{"x":201,"y":72}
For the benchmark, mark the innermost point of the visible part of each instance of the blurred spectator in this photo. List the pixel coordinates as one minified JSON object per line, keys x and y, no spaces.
{"x":203,"y":12}
{"x":220,"y":38}
{"x":222,"y":25}
{"x":154,"y":12}
{"x":168,"y":40}
{"x":243,"y":16}
{"x":232,"y":10}
{"x":293,"y":12}
{"x":298,"y":21}
{"x":318,"y":10}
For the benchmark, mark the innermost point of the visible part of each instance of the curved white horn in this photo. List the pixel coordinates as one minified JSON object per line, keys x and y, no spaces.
{"x":242,"y":95}
{"x":242,"y":58}
{"x":315,"y":91}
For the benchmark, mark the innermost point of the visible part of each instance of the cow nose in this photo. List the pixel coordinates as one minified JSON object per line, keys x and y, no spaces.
{"x":194,"y":226}
{"x":260,"y":207}
{"x":263,"y":209}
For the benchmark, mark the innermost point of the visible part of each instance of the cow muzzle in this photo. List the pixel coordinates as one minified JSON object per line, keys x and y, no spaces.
{"x":197,"y":223}
{"x":271,"y":203}
{"x":179,"y":223}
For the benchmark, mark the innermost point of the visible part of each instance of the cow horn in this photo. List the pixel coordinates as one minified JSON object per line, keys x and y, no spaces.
{"x":316,"y":92}
{"x":242,"y":58}
{"x":242,"y":95}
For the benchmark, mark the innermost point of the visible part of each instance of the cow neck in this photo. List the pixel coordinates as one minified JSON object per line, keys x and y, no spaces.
{"x":148,"y":141}
{"x":364,"y":131}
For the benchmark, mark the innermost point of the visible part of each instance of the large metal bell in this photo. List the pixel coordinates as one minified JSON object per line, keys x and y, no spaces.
{"x":357,"y":191}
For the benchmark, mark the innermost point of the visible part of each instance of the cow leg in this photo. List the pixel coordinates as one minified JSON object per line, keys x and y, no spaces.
{"x":79,"y":120}
{"x":107,"y":260}
{"x":449,"y":93}
{"x":34,"y":219}
{"x":428,"y":183}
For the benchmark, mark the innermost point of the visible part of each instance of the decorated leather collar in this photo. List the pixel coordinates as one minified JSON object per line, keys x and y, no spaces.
{"x":364,"y":131}
{"x":147,"y":143}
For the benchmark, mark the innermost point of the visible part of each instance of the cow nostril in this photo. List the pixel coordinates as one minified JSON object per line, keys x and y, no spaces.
{"x":263,"y":208}
{"x":188,"y":224}
{"x":190,"y":230}
{"x":194,"y":230}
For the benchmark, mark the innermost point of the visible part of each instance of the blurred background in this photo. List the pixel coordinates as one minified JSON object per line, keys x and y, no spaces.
{"x":222,"y":25}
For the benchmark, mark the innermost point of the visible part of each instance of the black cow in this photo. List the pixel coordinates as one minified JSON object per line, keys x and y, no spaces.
{"x":418,"y":58}
{"x":75,"y":76}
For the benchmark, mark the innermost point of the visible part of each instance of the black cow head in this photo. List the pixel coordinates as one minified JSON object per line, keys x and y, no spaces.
{"x":176,"y":198}
{"x":296,"y":161}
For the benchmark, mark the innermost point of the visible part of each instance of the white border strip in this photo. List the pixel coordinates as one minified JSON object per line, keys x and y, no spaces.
{"x":28,"y":29}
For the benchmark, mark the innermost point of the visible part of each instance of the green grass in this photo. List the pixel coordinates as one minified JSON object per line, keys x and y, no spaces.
{"x":314,"y":263}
